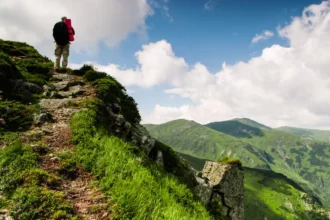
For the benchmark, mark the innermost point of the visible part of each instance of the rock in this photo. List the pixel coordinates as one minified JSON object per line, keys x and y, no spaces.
{"x":160,"y":159}
{"x":2,"y":122}
{"x":55,"y":159}
{"x":226,"y":184}
{"x":46,"y":131}
{"x":73,"y":91}
{"x":54,"y":103}
{"x":41,"y":119}
{"x":64,"y":85}
{"x":26,"y":88}
{"x":49,"y":88}
{"x":115,"y":108}
{"x":62,"y":77}
{"x":142,"y":139}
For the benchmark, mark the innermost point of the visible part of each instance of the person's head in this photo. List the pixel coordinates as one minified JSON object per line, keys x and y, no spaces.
{"x":63,"y":18}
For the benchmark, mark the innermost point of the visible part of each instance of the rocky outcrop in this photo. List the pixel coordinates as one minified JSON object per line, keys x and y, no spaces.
{"x":221,"y":188}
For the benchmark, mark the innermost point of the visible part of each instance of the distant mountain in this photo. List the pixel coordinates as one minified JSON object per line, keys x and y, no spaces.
{"x":252,"y":123}
{"x":195,"y":139}
{"x":273,"y":195}
{"x":300,"y":158}
{"x":236,"y":128}
{"x":321,"y":135}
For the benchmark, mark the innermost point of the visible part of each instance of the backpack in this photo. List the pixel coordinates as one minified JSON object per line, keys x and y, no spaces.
{"x":70,"y":29}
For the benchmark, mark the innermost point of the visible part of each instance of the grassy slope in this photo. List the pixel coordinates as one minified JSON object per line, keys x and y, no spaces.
{"x":140,"y":189}
{"x":272,"y":194}
{"x":304,"y":161}
{"x":194,"y":139}
{"x":320,"y":135}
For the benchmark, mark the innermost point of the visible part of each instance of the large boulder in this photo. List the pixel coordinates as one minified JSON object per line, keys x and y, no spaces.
{"x":221,"y":188}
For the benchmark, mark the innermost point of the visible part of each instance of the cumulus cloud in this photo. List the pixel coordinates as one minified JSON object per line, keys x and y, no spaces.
{"x":94,"y":21}
{"x":283,"y":86}
{"x":264,"y":36}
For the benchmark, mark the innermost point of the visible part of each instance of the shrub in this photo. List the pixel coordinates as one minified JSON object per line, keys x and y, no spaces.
{"x":15,"y":161}
{"x":39,"y":203}
{"x":17,"y":117}
{"x":92,"y":75}
{"x":111,"y":91}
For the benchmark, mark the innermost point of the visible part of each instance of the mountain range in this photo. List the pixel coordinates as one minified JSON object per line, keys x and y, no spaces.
{"x":301,"y":156}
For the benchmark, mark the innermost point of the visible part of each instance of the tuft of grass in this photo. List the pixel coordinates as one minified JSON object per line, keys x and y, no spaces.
{"x":17,"y":117}
{"x":141,"y":191}
{"x":92,"y":75}
{"x":227,"y":160}
{"x":15,"y":162}
{"x":39,"y":203}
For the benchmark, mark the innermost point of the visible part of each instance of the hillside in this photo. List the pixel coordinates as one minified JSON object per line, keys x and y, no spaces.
{"x":252,"y":123}
{"x":273,"y":195}
{"x":300,"y":158}
{"x":303,"y":160}
{"x":197,"y":140}
{"x":320,"y":135}
{"x":71,"y":147}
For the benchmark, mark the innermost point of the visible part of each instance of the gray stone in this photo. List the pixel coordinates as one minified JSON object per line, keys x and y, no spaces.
{"x":62,"y":77}
{"x":73,"y":91}
{"x":64,"y":85}
{"x":160,"y":159}
{"x":2,"y":121}
{"x":49,"y":88}
{"x":226,"y":184}
{"x":46,"y":131}
{"x":41,"y":119}
{"x":54,"y":103}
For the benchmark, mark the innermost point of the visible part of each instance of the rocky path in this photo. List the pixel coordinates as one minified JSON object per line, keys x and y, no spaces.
{"x":64,"y":98}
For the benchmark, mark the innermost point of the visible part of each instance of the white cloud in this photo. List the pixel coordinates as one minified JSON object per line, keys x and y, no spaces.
{"x":264,"y":36}
{"x":282,"y":86}
{"x":94,"y":21}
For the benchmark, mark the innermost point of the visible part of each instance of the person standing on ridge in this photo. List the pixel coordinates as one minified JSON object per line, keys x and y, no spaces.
{"x":61,"y":37}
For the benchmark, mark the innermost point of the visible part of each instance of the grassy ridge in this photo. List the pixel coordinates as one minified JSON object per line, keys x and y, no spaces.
{"x":140,"y":190}
{"x":320,"y":135}
{"x":194,"y":139}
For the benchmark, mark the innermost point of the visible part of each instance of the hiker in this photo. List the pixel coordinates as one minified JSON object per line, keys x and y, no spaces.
{"x":61,"y":37}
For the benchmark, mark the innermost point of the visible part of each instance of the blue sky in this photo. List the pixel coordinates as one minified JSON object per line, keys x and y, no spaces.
{"x":212,"y":36}
{"x":203,"y":60}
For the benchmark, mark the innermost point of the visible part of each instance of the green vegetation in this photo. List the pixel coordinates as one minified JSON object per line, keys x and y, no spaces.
{"x":17,"y":117}
{"x":140,"y":188}
{"x":191,"y":138}
{"x":273,"y":195}
{"x":24,"y":185}
{"x":23,"y":71}
{"x":303,"y":160}
{"x":227,"y":160}
{"x":236,"y":129}
{"x":320,"y":135}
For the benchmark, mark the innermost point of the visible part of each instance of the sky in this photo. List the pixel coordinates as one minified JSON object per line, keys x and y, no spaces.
{"x":201,"y":60}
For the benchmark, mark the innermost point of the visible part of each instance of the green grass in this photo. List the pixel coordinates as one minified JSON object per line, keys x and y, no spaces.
{"x":305,"y":161}
{"x":194,"y":139}
{"x":320,"y":135}
{"x":140,"y":189}
{"x":27,"y":189}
